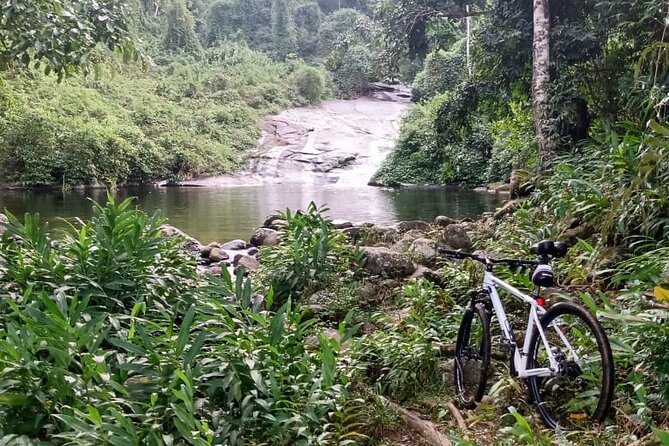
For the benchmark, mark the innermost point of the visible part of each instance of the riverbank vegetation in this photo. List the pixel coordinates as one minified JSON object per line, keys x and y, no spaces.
{"x":198,"y":78}
{"x":474,"y":121}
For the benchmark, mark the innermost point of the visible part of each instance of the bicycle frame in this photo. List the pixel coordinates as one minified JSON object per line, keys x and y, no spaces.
{"x":520,"y":358}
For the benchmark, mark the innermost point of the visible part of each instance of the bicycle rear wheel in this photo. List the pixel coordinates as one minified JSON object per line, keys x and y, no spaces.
{"x":580,"y":392}
{"x":472,"y":356}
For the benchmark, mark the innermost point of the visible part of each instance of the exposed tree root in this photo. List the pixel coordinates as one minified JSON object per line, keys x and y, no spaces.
{"x":424,"y":428}
{"x":457,"y":415}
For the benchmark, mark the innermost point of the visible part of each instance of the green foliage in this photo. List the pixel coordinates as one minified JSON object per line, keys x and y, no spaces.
{"x":619,"y":183}
{"x":32,"y":32}
{"x":438,"y":144}
{"x":354,"y":72}
{"x":108,"y":339}
{"x":184,"y":119}
{"x":309,"y":257}
{"x":309,"y":85}
{"x":283,"y":29}
{"x":514,"y":145}
{"x":180,"y":33}
{"x":443,"y":71}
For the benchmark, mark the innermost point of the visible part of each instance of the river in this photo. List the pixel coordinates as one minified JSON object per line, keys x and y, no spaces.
{"x":324,"y":154}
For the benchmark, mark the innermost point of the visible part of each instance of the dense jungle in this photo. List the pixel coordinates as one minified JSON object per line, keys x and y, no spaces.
{"x":120,"y":329}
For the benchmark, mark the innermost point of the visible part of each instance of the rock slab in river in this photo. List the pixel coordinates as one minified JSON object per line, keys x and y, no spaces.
{"x":265,"y":237}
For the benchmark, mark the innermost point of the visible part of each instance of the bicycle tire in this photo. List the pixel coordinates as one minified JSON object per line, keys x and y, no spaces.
{"x":472,"y":362}
{"x":581,"y":392}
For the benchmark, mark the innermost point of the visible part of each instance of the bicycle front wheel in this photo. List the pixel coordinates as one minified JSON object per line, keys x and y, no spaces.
{"x":472,"y":356}
{"x":580,"y":392}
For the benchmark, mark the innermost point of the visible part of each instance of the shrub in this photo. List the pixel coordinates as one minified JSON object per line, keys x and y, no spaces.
{"x":309,"y":85}
{"x":443,"y":71}
{"x":309,"y":257}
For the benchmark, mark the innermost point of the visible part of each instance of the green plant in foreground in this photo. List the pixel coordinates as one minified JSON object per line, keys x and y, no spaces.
{"x":310,"y":256}
{"x":110,"y":338}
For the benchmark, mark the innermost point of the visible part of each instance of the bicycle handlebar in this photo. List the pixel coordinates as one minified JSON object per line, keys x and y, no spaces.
{"x":487,"y":260}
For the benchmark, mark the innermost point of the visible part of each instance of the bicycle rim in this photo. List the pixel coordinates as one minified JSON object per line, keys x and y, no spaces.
{"x":580,"y":393}
{"x":472,"y":356}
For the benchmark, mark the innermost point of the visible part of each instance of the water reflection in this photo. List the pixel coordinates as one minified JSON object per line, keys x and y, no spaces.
{"x":226,"y":213}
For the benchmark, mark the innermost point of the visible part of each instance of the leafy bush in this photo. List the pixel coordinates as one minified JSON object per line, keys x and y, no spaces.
{"x":439,"y":144}
{"x":309,"y":257}
{"x":442,"y":72}
{"x":309,"y":84}
{"x":354,"y":71}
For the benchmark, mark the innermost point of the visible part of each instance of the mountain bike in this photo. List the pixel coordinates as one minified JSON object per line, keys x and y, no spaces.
{"x":565,"y":357}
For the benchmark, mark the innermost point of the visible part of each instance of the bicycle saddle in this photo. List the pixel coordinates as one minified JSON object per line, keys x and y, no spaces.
{"x":549,"y":248}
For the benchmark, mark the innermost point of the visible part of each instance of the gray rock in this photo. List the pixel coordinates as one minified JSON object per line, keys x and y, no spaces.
{"x":424,"y":250}
{"x":407,"y":239}
{"x":413,"y":225}
{"x":384,"y":262}
{"x":265,"y":237}
{"x":249,"y":263}
{"x":444,"y":221}
{"x":270,"y":219}
{"x":374,"y":293}
{"x":341,"y":224}
{"x":456,"y":237}
{"x":354,"y":233}
{"x":4,"y":222}
{"x":509,"y":208}
{"x":218,"y":255}
{"x":252,"y":251}
{"x":189,"y":243}
{"x":234,"y":245}
{"x":206,"y":250}
{"x":380,"y":234}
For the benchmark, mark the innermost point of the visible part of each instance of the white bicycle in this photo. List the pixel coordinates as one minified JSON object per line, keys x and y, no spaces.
{"x":565,"y":358}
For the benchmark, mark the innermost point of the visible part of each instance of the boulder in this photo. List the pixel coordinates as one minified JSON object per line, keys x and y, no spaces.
{"x":380,"y":235}
{"x":249,"y":263}
{"x":406,"y":226}
{"x":443,"y":221}
{"x":189,"y":243}
{"x":265,"y":237}
{"x":374,"y":293}
{"x":234,"y":245}
{"x":270,"y":219}
{"x":405,"y":242}
{"x":456,"y":237}
{"x":424,"y":250}
{"x":423,"y":272}
{"x":218,"y":255}
{"x":354,"y":233}
{"x":386,"y":263}
{"x":206,"y":250}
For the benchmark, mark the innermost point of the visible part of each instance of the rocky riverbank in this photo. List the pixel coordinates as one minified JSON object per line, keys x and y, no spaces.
{"x":404,"y":250}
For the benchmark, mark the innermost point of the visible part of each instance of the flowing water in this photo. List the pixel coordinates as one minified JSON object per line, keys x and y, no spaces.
{"x":324,"y":154}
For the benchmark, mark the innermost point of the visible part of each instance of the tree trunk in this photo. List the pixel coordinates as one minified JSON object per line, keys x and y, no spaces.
{"x":541,"y":79}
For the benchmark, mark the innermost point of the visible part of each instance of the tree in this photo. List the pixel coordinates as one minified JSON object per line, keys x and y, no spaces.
{"x":283,"y":29}
{"x":60,"y":36}
{"x":180,"y":34}
{"x":541,"y":79}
